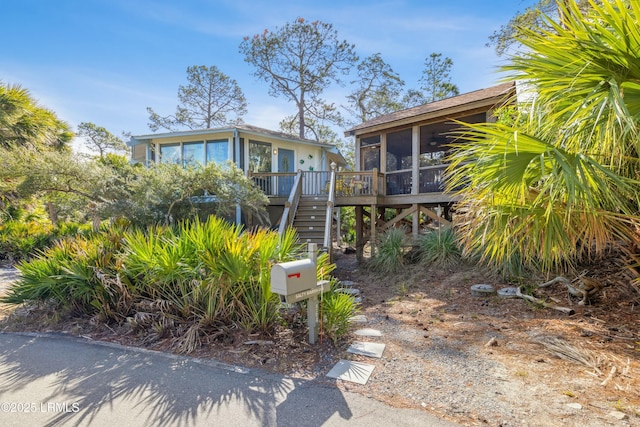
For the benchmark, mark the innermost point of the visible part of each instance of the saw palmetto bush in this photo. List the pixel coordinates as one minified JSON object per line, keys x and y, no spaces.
{"x":210,"y":273}
{"x":22,"y":239}
{"x":559,"y":184}
{"x":337,"y":310}
{"x":190,"y":281}
{"x":390,"y":251}
{"x":77,"y":273}
{"x":439,"y":248}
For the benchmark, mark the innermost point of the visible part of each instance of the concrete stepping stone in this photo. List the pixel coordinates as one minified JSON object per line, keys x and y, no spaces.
{"x":369,"y":349}
{"x":368,"y":332}
{"x":347,"y":283}
{"x":351,"y":371}
{"x":360,"y":318}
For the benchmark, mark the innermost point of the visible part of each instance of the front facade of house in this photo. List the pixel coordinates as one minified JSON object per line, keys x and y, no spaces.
{"x":253,"y":149}
{"x":400,"y":166}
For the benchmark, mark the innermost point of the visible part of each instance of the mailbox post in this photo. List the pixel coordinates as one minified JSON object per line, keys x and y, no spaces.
{"x":312,"y":304}
{"x":296,"y":281}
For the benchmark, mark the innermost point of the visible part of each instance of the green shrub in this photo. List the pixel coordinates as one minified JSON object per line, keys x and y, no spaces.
{"x":77,"y":273}
{"x":390,"y":251}
{"x":21,"y":240}
{"x":439,"y":248}
{"x":337,"y":310}
{"x":212,"y":273}
{"x":192,"y":279}
{"x":348,"y":225}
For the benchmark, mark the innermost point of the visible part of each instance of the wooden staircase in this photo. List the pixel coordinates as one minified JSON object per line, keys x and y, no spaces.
{"x":310,"y":219}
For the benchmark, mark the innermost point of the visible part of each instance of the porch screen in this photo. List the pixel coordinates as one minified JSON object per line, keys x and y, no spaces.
{"x":370,"y":152}
{"x":399,"y":150}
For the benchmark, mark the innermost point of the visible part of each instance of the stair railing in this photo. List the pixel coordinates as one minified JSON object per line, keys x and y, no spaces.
{"x":291,"y":205}
{"x":331,"y":201}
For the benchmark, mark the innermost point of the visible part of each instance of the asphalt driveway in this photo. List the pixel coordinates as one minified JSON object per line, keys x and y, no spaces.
{"x":49,"y":380}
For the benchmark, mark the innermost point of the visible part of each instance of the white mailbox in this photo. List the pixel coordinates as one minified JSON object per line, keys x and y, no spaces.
{"x":289,"y":278}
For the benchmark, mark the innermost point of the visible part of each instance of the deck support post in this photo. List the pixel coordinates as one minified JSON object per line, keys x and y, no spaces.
{"x":359,"y":236}
{"x":373,"y":237}
{"x":415,"y":230}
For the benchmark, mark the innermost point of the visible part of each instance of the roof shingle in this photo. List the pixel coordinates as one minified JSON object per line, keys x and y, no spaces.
{"x":497,"y":92}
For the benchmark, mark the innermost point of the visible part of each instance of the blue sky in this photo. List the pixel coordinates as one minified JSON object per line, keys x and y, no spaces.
{"x":105,"y":61}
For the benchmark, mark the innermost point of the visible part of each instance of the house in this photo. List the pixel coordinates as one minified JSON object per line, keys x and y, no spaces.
{"x":399,"y":172}
{"x":255,"y":150}
{"x":408,"y":149}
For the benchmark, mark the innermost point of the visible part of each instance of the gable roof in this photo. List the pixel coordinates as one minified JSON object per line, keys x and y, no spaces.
{"x":467,"y":101}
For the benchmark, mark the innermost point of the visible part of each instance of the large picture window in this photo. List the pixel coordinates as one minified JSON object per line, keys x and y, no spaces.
{"x":170,"y":153}
{"x":218,"y":151}
{"x":193,"y":154}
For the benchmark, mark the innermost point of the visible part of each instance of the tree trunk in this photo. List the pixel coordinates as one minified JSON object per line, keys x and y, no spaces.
{"x":301,"y":114}
{"x":53,"y":212}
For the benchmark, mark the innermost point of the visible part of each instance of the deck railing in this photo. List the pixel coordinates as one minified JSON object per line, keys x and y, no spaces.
{"x":316,"y":183}
{"x":291,"y":205}
{"x":331,"y":200}
{"x":274,"y":183}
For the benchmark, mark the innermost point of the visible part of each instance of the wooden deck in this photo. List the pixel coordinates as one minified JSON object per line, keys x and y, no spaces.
{"x":361,"y":188}
{"x":371,"y":193}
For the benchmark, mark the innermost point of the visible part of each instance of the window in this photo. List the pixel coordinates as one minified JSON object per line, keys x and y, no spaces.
{"x":218,"y":151}
{"x":259,"y":156}
{"x":239,"y":156}
{"x":170,"y":153}
{"x":139,"y":153}
{"x":193,"y":154}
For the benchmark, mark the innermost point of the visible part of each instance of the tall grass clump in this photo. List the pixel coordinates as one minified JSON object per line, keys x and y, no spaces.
{"x":439,"y":248}
{"x":390,"y":251}
{"x":337,"y":309}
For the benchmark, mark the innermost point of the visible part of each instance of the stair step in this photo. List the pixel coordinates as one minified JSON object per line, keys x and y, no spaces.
{"x":310,"y":217}
{"x":311,"y":240}
{"x":311,"y":235}
{"x":312,"y":211}
{"x":310,"y":226}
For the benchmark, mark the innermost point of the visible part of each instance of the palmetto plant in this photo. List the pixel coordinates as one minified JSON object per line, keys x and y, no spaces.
{"x":439,"y":248}
{"x":560,"y":184}
{"x":78,"y":273}
{"x":192,"y":280}
{"x":391,"y":248}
